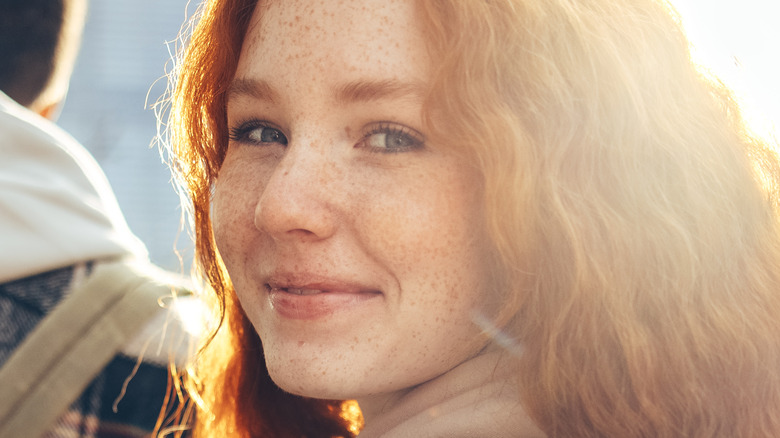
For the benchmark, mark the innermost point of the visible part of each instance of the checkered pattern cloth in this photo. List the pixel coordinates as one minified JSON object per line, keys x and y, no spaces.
{"x":124,"y":400}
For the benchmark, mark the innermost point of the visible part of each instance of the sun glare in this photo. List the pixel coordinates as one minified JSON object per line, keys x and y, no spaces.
{"x":739,"y":41}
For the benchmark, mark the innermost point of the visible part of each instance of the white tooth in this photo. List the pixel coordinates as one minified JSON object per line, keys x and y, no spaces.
{"x":304,"y":291}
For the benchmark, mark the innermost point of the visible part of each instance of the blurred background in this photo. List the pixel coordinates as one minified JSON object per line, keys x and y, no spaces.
{"x":122,"y":60}
{"x":739,"y":40}
{"x":124,"y":56}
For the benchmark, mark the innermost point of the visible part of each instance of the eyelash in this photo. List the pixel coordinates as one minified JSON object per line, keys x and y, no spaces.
{"x":409,"y":138}
{"x":413,"y":139}
{"x":241,"y":133}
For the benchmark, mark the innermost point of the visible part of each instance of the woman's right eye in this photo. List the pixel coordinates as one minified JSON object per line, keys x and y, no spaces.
{"x":257,"y":133}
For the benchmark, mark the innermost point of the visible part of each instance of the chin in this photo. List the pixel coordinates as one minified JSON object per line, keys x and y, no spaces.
{"x":309,"y":375}
{"x":321,"y":386}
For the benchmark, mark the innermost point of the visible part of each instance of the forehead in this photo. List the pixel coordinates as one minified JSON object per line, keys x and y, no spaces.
{"x":338,"y":37}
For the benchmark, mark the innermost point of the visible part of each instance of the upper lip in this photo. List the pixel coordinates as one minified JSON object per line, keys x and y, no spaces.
{"x":310,"y":282}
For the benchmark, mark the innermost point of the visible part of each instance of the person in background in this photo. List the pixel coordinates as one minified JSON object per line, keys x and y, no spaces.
{"x":498,"y":218}
{"x":84,"y":354}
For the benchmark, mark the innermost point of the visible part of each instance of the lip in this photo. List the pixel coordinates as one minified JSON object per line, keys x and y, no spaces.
{"x":317,"y":299}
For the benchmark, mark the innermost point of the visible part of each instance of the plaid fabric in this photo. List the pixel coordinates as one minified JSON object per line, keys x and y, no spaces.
{"x":104,"y":409}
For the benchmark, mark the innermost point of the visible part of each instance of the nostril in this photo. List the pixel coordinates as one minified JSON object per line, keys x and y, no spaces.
{"x":301,"y":232}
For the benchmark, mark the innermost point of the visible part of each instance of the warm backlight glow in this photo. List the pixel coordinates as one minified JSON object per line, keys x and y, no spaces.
{"x":739,"y":41}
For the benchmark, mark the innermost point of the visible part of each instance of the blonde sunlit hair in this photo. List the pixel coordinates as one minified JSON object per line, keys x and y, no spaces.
{"x":635,"y":220}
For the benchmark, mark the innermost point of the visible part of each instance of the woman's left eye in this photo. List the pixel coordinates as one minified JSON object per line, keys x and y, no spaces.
{"x":387,"y":138}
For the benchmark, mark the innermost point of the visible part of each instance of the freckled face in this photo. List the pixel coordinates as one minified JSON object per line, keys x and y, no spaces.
{"x":354,"y":244}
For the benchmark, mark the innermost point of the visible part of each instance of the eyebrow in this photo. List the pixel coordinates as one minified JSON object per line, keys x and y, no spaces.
{"x":367,"y":91}
{"x":355,"y":91}
{"x":257,"y":89}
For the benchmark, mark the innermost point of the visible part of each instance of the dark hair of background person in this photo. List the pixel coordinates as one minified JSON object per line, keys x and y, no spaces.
{"x":30,"y":46}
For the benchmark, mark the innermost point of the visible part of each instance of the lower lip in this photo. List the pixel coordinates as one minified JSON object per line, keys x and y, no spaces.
{"x":307,"y":307}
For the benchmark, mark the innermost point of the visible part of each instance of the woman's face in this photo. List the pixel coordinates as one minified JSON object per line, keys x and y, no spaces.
{"x":355,"y":245}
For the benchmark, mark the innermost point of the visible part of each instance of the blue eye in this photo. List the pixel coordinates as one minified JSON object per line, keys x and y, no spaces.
{"x":257,"y":133}
{"x":387,"y":138}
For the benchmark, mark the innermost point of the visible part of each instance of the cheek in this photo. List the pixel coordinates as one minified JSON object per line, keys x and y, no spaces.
{"x":433,"y":237}
{"x":221,"y":220}
{"x":232,"y":213}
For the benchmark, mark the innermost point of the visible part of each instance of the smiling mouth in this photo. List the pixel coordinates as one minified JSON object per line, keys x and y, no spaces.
{"x":303,"y":291}
{"x":315,"y":301}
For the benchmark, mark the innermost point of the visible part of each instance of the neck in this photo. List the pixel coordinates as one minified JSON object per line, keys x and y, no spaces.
{"x":479,"y":397}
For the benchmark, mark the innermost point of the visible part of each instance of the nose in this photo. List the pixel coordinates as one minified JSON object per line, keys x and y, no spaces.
{"x":296,"y":201}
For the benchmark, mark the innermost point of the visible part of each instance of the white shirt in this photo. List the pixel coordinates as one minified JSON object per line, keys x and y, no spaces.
{"x":56,"y":205}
